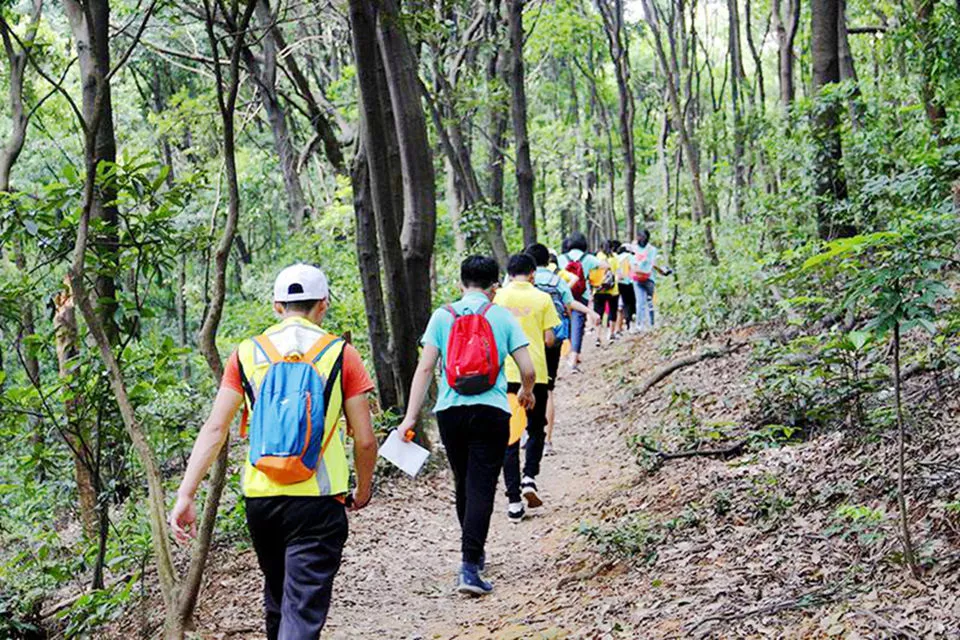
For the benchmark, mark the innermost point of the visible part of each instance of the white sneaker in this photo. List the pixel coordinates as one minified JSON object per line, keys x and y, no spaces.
{"x":528,"y":489}
{"x":516,"y":512}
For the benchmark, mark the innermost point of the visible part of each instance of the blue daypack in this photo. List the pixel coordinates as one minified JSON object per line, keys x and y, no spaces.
{"x":289,"y":417}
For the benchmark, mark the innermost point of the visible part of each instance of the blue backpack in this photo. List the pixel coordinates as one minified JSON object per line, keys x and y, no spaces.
{"x":562,"y":331}
{"x":289,"y":417}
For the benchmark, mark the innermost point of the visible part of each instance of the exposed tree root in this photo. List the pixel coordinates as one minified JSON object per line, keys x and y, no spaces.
{"x":734,"y":449}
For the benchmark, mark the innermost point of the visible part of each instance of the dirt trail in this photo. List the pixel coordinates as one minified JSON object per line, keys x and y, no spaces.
{"x":401,"y":558}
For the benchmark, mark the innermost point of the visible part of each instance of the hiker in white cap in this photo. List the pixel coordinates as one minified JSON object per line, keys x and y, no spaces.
{"x":293,"y":382}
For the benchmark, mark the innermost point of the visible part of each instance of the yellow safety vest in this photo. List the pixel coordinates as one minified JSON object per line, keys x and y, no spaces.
{"x":298,"y":335}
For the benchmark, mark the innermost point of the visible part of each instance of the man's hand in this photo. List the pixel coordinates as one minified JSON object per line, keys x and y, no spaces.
{"x":361,"y":498}
{"x":595,"y":317}
{"x":526,"y":399}
{"x":183,"y":519}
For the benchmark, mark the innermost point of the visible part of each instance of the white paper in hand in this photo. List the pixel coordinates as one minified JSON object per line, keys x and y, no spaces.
{"x":409,"y":456}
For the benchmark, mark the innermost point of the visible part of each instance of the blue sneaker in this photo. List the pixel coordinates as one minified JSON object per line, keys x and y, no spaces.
{"x":470,"y":582}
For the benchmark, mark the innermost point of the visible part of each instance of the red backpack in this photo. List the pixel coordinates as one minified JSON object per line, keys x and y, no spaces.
{"x":579,"y":287}
{"x":473,"y":361}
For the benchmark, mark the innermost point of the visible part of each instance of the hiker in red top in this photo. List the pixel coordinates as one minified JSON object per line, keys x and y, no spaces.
{"x":472,"y":410}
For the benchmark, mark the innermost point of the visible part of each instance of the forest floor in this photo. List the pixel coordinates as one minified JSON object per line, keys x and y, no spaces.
{"x":748,"y":545}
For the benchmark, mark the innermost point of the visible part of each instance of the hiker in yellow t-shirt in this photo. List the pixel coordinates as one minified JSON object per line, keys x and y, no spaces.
{"x":535,"y":312}
{"x":606,"y":297}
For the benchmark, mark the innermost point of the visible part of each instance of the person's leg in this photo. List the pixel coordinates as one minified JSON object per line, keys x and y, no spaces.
{"x":313,"y":554}
{"x":264,"y":523}
{"x":536,"y":422}
{"x":648,"y":287}
{"x":577,"y":325}
{"x":511,"y":462}
{"x":553,"y":368}
{"x":511,"y":472}
{"x":612,"y":318}
{"x":629,"y":303}
{"x":643,"y":315}
{"x":488,"y":431}
{"x":453,"y":436}
{"x":551,"y":416}
{"x":599,"y":305}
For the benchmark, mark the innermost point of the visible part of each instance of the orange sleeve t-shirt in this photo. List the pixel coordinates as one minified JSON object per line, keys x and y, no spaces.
{"x":355,"y":378}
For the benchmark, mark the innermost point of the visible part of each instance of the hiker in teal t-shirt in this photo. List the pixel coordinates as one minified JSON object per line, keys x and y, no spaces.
{"x":575,"y":250}
{"x":474,"y":428}
{"x":645,"y":269}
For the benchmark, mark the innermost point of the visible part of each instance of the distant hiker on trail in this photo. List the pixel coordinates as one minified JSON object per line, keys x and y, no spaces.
{"x":537,"y":316}
{"x":294,"y":380}
{"x":628,"y":296}
{"x":645,"y":268}
{"x":606,"y":297}
{"x":577,"y":261}
{"x":472,"y":339}
{"x":552,"y":282}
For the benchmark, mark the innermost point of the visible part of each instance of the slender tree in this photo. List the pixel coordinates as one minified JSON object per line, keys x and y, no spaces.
{"x":612,"y":13}
{"x":829,"y":182}
{"x":524,"y":165}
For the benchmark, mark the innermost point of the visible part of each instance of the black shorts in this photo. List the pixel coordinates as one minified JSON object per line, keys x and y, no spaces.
{"x":553,"y":364}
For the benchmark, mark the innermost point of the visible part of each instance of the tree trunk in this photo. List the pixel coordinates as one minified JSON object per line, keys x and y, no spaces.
{"x":786,"y":17}
{"x":497,"y":138}
{"x":757,"y":57}
{"x":612,"y":14}
{"x":736,"y":84}
{"x":934,"y":108}
{"x":524,"y":166}
{"x":17,"y":63}
{"x":65,"y":332}
{"x":264,"y":74}
{"x":848,"y":71}
{"x":419,"y":195}
{"x":318,"y":118}
{"x":829,"y":182}
{"x":90,"y":25}
{"x":687,"y":143}
{"x":368,"y":259}
{"x":377,"y":132}
{"x":227,"y":88}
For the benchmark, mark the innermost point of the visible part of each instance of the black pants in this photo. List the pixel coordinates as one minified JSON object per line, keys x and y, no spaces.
{"x":299,"y":543}
{"x":601,"y":301}
{"x":475,"y":438}
{"x":629,"y":303}
{"x":536,"y":424}
{"x":553,"y":364}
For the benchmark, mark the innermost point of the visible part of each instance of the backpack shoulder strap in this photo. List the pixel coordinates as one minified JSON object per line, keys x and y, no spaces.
{"x":323,"y":343}
{"x":483,"y":310}
{"x":269,"y":350}
{"x":336,"y":377}
{"x":248,"y":391}
{"x":449,"y":308}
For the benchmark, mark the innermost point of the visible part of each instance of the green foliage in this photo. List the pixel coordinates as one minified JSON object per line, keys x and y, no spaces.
{"x":859,"y":522}
{"x":96,"y":608}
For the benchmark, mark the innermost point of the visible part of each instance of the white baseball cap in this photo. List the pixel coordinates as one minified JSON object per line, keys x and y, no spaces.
{"x":300,"y":282}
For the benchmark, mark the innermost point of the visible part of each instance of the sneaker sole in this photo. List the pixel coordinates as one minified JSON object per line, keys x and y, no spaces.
{"x":533,"y":500}
{"x":467,"y":590}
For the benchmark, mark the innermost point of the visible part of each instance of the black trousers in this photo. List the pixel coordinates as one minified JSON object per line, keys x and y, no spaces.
{"x":553,"y":364}
{"x":536,"y":425}
{"x":475,"y":438}
{"x":299,"y":543}
{"x":602,"y":301}
{"x":629,"y":303}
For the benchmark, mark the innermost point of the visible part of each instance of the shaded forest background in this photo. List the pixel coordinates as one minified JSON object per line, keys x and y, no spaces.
{"x":161,"y":161}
